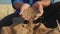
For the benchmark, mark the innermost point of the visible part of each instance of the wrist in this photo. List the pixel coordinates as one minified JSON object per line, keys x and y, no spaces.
{"x":45,"y":3}
{"x":26,"y":4}
{"x":39,"y":2}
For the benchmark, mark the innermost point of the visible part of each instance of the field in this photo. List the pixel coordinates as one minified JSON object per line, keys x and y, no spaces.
{"x":5,"y":9}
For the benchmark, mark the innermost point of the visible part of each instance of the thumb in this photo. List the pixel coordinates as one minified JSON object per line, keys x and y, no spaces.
{"x":36,"y":18}
{"x":21,"y":11}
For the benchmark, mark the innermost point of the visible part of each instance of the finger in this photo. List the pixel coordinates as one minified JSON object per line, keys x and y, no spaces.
{"x":24,"y":17}
{"x":21,"y":11}
{"x":34,"y":5}
{"x":40,"y":9}
{"x":36,"y":18}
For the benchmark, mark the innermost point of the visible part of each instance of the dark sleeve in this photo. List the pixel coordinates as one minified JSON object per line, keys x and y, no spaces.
{"x":14,"y":1}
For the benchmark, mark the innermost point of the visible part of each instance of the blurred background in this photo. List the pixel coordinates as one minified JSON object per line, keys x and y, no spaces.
{"x":9,"y":1}
{"x":5,"y":1}
{"x":6,"y":8}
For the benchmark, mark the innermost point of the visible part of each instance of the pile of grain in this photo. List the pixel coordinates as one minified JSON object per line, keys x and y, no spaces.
{"x":29,"y":28}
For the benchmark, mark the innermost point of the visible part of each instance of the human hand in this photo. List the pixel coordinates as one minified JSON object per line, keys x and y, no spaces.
{"x":24,"y":7}
{"x":39,"y":7}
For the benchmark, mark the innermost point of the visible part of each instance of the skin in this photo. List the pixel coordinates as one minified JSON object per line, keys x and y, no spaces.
{"x":45,"y":3}
{"x":39,"y":5}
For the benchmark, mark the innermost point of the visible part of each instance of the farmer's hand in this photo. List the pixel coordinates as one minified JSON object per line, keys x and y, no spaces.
{"x":24,"y":7}
{"x":39,"y":7}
